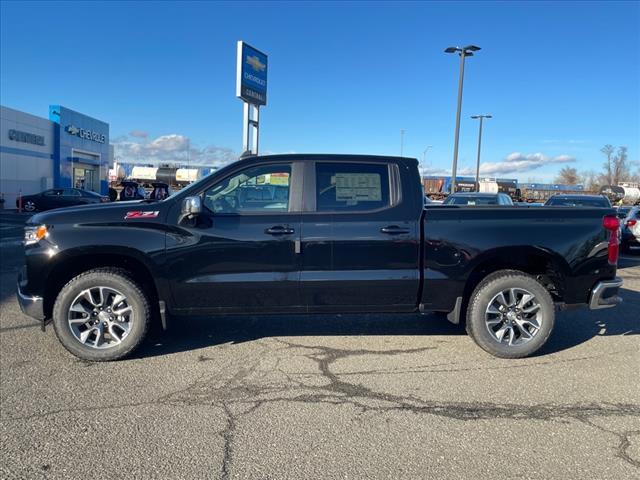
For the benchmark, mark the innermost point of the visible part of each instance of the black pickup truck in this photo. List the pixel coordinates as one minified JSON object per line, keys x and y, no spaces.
{"x":309,"y":234}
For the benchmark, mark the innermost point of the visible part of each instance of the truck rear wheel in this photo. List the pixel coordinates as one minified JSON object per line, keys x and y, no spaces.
{"x":510,"y":314}
{"x":101,"y":315}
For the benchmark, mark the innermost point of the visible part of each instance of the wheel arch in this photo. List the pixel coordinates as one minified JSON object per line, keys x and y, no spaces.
{"x":548,"y":267}
{"x":75,"y":262}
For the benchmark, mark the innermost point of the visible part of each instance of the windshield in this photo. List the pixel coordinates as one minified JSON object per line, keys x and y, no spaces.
{"x":599,"y":202}
{"x":468,"y":200}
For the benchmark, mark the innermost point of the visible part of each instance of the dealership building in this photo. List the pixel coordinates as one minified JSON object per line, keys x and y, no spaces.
{"x":69,"y":149}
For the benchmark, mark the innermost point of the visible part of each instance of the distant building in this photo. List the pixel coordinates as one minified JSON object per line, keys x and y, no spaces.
{"x":69,"y":149}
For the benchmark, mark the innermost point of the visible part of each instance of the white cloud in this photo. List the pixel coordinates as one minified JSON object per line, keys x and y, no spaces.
{"x":517,"y":162}
{"x":168,"y":143}
{"x":434,"y":171}
{"x":173,"y":149}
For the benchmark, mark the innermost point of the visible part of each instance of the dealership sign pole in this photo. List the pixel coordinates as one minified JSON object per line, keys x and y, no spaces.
{"x":251,"y":88}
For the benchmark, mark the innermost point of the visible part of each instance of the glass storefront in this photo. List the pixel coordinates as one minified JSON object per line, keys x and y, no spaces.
{"x":86,"y":178}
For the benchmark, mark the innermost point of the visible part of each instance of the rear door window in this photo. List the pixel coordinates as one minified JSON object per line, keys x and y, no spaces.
{"x":351,"y":187}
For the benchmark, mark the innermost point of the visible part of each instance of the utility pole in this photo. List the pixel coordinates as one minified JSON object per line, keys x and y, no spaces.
{"x":188,"y":152}
{"x":424,"y":155}
{"x":481,"y":118}
{"x":402,"y":141}
{"x":463,"y":52}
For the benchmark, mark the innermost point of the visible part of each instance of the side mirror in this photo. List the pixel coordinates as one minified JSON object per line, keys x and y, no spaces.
{"x":191,"y":206}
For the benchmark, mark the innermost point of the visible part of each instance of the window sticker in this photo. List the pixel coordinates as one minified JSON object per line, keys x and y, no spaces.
{"x":357,"y":187}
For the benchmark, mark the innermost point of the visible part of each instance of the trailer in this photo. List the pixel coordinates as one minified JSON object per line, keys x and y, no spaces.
{"x":622,"y":194}
{"x":540,"y":192}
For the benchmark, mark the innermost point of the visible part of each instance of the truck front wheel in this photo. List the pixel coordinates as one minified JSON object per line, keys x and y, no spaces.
{"x":510,"y":314}
{"x":101,"y":315}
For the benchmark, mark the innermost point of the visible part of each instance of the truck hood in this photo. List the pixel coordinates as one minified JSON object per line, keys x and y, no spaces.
{"x":98,"y":213}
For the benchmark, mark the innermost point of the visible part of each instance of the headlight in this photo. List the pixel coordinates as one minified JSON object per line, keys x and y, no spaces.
{"x":34,"y":234}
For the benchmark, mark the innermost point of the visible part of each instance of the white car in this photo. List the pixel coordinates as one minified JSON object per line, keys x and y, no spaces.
{"x":630,"y":229}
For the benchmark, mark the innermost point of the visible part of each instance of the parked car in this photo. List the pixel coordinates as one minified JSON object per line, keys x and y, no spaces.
{"x":630,"y":230}
{"x":475,"y":198}
{"x":622,"y":211}
{"x":59,"y":198}
{"x":356,"y":238}
{"x":597,"y":201}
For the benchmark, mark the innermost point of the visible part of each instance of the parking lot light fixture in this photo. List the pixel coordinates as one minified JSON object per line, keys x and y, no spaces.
{"x":424,"y":155}
{"x":481,"y":118}
{"x":463,"y":52}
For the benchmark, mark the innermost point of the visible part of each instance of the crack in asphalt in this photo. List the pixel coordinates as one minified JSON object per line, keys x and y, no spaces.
{"x":622,"y":450}
{"x":625,"y":443}
{"x":433,"y":368}
{"x":238,"y":392}
{"x":227,"y":436}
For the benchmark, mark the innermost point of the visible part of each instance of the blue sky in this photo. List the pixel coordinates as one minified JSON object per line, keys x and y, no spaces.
{"x":561,"y":79}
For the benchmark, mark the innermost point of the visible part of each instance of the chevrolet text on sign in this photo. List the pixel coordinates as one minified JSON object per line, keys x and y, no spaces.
{"x":251,"y":84}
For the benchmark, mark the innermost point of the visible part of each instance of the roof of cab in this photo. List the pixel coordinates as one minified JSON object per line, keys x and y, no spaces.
{"x":334,"y":157}
{"x":577,"y":195}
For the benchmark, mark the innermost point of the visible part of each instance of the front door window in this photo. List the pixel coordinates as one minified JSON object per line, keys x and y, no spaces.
{"x":262,"y":189}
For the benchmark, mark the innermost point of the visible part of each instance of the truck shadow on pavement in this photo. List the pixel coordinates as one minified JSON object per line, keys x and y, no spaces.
{"x":572,"y":328}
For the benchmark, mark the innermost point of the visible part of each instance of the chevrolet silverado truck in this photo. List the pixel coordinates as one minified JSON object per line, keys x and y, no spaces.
{"x":311,"y":234}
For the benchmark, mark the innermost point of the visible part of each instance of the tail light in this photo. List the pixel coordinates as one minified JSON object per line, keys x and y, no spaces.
{"x":612,"y":223}
{"x":631,"y":223}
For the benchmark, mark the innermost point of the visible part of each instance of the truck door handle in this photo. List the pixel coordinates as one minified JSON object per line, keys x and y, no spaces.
{"x":394,"y":230}
{"x":279,"y":230}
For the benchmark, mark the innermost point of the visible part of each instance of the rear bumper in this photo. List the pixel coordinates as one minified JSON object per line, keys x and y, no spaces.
{"x":30,"y":305}
{"x":605,"y":294}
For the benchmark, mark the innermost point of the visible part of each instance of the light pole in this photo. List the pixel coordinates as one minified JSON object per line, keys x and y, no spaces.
{"x":463,"y":52}
{"x":401,"y":141}
{"x":481,"y":117}
{"x":424,"y":154}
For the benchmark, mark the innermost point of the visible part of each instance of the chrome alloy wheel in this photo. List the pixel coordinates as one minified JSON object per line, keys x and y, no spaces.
{"x":100,"y":317}
{"x":29,"y":206}
{"x":513,"y":316}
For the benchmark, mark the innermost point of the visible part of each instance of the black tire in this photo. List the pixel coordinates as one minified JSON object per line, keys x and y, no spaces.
{"x":491,"y":286}
{"x":114,"y":278}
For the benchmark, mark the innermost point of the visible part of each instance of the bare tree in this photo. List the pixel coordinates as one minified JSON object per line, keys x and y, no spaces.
{"x":635,"y":177}
{"x":590,"y":180}
{"x":608,"y":168}
{"x":620,"y":166}
{"x":568,"y":176}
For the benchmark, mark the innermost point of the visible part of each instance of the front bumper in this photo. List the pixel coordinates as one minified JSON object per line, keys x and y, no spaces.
{"x":605,"y":294}
{"x":31,"y":305}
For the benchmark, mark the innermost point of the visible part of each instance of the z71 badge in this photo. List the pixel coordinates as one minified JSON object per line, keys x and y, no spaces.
{"x":141,"y":214}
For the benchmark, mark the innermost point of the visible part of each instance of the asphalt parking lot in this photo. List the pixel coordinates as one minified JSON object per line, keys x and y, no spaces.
{"x":322,"y":397}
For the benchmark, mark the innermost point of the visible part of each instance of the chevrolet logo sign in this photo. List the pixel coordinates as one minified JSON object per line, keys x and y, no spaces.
{"x":256,"y":64}
{"x":86,"y":134}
